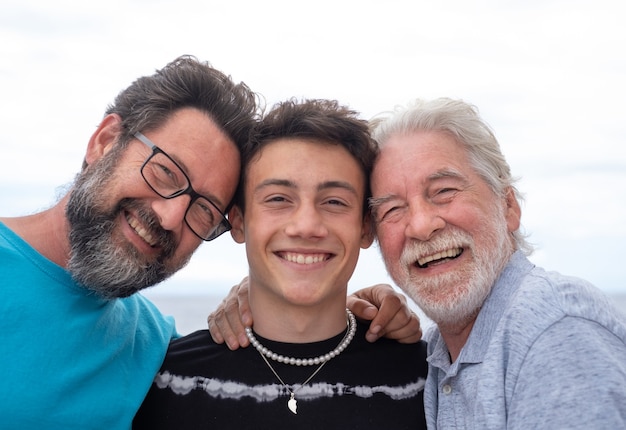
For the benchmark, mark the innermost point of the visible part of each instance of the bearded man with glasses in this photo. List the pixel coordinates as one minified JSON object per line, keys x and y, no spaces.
{"x":80,"y":349}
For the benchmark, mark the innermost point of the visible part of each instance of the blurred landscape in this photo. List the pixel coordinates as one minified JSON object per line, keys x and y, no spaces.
{"x":191,"y":311}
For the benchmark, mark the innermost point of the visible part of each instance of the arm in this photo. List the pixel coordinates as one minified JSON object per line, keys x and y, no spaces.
{"x":387,"y":310}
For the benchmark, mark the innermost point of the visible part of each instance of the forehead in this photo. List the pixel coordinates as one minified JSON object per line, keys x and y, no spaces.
{"x":418,"y":156}
{"x":190,"y":130}
{"x":305,"y":161}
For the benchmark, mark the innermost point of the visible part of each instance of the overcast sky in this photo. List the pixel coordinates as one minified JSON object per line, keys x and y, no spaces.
{"x":548,"y":76}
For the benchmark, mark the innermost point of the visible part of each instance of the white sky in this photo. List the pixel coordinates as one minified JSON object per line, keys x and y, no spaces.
{"x":549,"y":77}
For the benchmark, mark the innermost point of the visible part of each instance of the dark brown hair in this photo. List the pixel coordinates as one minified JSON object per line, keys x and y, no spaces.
{"x":324,"y":121}
{"x":186,"y":82}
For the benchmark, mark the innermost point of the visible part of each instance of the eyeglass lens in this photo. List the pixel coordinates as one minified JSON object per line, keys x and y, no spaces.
{"x":168,"y":180}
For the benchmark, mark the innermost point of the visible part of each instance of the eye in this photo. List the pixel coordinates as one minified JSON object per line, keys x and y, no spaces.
{"x":275,"y":199}
{"x":335,"y":202}
{"x":445,"y":190}
{"x":443,"y":195}
{"x":166,"y":173}
{"x":388,"y":212}
{"x":202,"y":214}
{"x":205,"y":207}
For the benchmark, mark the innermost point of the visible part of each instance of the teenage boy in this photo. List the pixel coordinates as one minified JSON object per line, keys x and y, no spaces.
{"x":301,"y":210}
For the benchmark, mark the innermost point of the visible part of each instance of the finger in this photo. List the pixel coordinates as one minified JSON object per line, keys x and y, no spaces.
{"x":361,"y":309}
{"x":215,"y":333}
{"x":393,"y":314}
{"x":244,"y":303}
{"x":220,"y":329}
{"x":370,"y":294}
{"x":365,"y":302}
{"x":233,"y":328}
{"x":410,"y":332}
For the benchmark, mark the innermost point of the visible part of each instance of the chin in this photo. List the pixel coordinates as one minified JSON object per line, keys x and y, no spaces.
{"x":448,"y":299}
{"x":451,"y":313}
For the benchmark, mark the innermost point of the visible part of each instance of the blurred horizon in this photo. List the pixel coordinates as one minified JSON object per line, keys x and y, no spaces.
{"x":544,"y":74}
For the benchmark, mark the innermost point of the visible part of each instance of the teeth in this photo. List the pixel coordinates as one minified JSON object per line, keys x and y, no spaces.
{"x":438,"y":256}
{"x":304,"y":259}
{"x":142,"y":232}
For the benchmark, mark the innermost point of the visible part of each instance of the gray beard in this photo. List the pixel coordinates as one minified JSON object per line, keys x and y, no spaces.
{"x":466,"y":290}
{"x":108,"y":269}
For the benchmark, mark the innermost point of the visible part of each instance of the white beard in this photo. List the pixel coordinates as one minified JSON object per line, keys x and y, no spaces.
{"x":454,"y":298}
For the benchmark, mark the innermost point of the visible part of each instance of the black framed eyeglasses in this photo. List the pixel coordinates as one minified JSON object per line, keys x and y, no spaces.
{"x":168,"y":180}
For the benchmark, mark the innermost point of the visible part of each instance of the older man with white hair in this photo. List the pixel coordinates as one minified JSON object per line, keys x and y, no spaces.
{"x":514,"y":346}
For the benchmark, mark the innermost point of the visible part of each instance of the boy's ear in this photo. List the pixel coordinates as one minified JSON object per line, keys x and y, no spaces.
{"x":367,"y":232}
{"x":235,"y":217}
{"x":104,"y":138}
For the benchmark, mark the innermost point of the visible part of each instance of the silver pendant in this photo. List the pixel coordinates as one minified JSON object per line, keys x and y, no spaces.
{"x":292,"y":404}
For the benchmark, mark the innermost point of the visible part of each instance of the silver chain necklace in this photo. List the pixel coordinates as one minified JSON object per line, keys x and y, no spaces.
{"x":292,"y":404}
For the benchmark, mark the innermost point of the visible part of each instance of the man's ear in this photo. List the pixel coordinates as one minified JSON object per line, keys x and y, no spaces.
{"x":513,"y":212}
{"x":104,"y":138}
{"x":235,"y":217}
{"x":367,"y":232}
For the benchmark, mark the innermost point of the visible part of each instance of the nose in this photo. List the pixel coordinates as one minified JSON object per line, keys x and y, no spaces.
{"x":424,"y":220}
{"x":306,"y":222}
{"x":171,"y":212}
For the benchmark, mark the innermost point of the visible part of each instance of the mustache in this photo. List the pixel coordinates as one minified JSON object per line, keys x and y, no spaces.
{"x":451,"y":238}
{"x":164,"y":239}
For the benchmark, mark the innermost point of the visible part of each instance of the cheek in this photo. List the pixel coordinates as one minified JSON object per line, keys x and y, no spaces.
{"x":390,"y":240}
{"x":187,"y":245}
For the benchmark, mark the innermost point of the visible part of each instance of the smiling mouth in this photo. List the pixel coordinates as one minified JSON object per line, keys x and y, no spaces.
{"x":439,"y":257}
{"x":141,"y":231}
{"x":305,"y":259}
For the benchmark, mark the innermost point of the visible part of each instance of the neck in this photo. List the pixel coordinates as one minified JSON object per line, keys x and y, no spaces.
{"x":297,"y":324}
{"x":455,"y":336}
{"x":46,"y":232}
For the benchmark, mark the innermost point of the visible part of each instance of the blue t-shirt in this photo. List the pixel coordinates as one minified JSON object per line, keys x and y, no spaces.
{"x":71,"y":360}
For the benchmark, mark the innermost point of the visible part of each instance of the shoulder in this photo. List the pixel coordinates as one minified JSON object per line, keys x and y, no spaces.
{"x":545,"y":298}
{"x":550,"y":318}
{"x":409,"y":357}
{"x":198,"y":354}
{"x":145,"y":315}
{"x":198,"y":343}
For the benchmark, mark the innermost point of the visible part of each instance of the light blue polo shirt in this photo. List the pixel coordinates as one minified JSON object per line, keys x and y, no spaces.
{"x":546,"y":351}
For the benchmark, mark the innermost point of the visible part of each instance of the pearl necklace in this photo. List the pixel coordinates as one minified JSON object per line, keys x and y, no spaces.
{"x":351,"y":320}
{"x":292,"y":404}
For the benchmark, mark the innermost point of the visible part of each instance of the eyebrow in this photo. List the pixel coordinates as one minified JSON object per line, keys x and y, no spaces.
{"x":375,"y":202}
{"x":323,"y":186}
{"x":447,"y":174}
{"x":180,"y":163}
{"x":279,"y":182}
{"x":337,"y":184}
